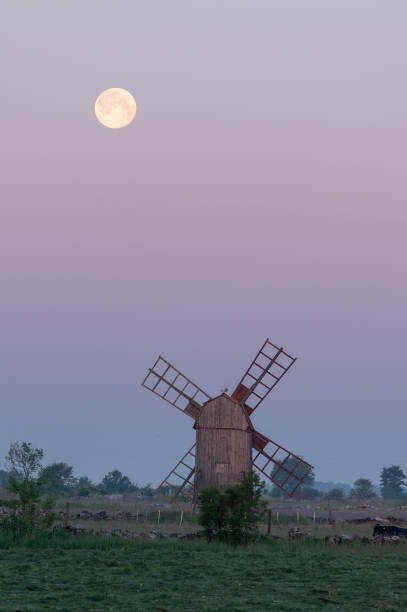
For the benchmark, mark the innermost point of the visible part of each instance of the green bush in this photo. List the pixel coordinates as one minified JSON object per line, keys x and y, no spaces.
{"x":233,"y":515}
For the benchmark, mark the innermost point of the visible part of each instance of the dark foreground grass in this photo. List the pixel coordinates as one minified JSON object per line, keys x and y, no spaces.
{"x":107,"y":574}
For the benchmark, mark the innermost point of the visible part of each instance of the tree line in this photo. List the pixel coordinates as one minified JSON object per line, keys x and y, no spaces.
{"x":231,"y":515}
{"x":393,"y":485}
{"x":58,"y":478}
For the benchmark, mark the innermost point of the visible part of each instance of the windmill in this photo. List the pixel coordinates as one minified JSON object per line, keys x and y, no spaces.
{"x":227,"y":446}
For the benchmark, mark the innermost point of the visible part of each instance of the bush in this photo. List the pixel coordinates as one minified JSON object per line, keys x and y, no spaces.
{"x":233,"y":515}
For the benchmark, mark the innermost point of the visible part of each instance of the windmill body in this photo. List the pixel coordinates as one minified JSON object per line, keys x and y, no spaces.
{"x":223,"y":444}
{"x":227,"y":446}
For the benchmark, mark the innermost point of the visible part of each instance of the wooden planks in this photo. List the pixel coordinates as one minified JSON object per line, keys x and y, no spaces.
{"x":224,"y":443}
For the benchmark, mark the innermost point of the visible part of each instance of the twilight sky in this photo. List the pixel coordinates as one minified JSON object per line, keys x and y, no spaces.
{"x":260,"y":191}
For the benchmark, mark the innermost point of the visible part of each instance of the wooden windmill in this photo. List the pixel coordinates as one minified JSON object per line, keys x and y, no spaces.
{"x":227,"y":446}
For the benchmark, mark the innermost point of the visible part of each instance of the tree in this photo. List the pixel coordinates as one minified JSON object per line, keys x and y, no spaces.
{"x":116,"y":482}
{"x":148,"y":491}
{"x":57,"y":478}
{"x":392,"y":481}
{"x":28,"y":511}
{"x":23,"y":459}
{"x":84,"y":487}
{"x":335,"y":494}
{"x":306,"y":490}
{"x":233,"y":515}
{"x":363,"y":488}
{"x":4,"y":476}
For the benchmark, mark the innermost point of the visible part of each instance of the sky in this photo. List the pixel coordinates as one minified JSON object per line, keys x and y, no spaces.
{"x":260,"y":192}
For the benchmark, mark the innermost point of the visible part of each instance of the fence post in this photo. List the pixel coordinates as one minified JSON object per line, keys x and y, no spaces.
{"x":277,"y":516}
{"x":269,"y":522}
{"x":66,"y":516}
{"x":158,"y":518}
{"x":181,"y":518}
{"x":314,"y":518}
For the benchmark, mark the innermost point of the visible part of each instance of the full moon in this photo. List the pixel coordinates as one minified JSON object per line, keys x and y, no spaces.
{"x":115,"y":108}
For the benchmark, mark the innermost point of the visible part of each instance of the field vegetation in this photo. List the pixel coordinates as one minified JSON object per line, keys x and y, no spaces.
{"x":88,"y":573}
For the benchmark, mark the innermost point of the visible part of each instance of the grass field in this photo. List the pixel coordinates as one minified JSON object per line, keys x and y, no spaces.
{"x":87,"y":573}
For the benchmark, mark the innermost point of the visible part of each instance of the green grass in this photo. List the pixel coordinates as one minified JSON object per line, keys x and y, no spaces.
{"x":87,"y":573}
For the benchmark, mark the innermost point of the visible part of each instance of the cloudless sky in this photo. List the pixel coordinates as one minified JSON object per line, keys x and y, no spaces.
{"x":260,"y":191}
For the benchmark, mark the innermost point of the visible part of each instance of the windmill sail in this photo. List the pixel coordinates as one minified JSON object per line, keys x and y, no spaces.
{"x":167,"y":382}
{"x":265,"y":371}
{"x":285,"y":469}
{"x":180,"y":479}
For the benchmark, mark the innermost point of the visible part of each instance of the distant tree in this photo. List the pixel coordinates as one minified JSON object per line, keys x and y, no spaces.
{"x":324,"y":487}
{"x":147,"y":491}
{"x":57,"y":478}
{"x":306,"y":490}
{"x":4,"y":476}
{"x":28,"y":510}
{"x":276,"y":492}
{"x":23,"y":459}
{"x":116,"y":482}
{"x":392,"y":481}
{"x":337,"y":494}
{"x":84,"y":487}
{"x":84,"y":481}
{"x":363,"y":488}
{"x":309,"y":480}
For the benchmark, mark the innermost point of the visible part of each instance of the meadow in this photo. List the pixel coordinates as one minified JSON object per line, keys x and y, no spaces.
{"x":106,"y":573}
{"x":111,"y":572}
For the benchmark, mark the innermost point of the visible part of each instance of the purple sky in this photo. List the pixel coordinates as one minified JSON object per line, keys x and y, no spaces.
{"x":260,"y":192}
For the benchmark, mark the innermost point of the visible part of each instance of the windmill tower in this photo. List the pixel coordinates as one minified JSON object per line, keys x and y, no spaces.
{"x":227,"y":446}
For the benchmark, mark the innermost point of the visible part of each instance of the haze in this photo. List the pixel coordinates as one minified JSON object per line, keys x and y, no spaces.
{"x":259,"y":192}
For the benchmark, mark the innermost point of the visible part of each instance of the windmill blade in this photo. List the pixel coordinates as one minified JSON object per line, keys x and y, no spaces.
{"x":167,"y":382}
{"x":180,"y":479}
{"x":264,"y":372}
{"x":285,"y":469}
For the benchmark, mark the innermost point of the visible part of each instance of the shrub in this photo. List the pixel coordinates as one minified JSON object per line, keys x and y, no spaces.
{"x":233,"y":515}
